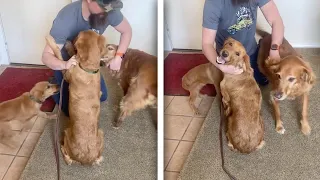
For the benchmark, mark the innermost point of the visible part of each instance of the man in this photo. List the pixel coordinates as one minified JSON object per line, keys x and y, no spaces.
{"x":80,"y":16}
{"x":238,"y":19}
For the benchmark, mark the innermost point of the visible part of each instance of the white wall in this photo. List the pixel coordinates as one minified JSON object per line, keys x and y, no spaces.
{"x":301,"y":19}
{"x":166,"y":36}
{"x":4,"y":58}
{"x":143,"y":19}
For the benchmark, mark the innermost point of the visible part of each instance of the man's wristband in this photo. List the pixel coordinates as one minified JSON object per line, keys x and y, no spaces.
{"x":120,"y":54}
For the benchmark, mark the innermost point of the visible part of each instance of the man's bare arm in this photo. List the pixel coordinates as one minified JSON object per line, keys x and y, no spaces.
{"x":208,"y":38}
{"x":50,"y":60}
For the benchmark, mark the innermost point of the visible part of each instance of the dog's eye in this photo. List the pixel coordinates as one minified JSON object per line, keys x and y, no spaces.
{"x":278,"y":76}
{"x":110,"y":49}
{"x":48,"y":87}
{"x":237,"y":53}
{"x":291,"y":79}
{"x":230,"y":44}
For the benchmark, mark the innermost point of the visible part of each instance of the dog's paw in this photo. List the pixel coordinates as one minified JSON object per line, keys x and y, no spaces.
{"x":260,"y":146}
{"x":99,"y":161}
{"x":280,"y":129}
{"x":305,"y":129}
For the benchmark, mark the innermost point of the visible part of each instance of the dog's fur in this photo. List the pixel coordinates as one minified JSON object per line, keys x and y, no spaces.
{"x":83,"y":140}
{"x":137,"y":78}
{"x":196,"y":78}
{"x":290,"y":77}
{"x":23,"y":109}
{"x":241,"y":97}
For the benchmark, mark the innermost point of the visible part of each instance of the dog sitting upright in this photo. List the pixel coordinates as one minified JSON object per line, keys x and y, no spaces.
{"x":241,"y":97}
{"x":137,"y":78}
{"x":24,"y":108}
{"x":83,"y":140}
{"x":290,"y":77}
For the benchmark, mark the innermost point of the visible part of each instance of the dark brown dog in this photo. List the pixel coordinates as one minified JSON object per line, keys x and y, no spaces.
{"x":83,"y":140}
{"x":290,"y":77}
{"x":241,"y":97}
{"x":137,"y":78}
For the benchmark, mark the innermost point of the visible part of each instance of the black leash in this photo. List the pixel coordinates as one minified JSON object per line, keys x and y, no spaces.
{"x":222,"y":119}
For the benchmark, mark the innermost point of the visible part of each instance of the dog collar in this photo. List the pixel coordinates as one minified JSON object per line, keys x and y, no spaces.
{"x":89,"y":71}
{"x":35,"y":99}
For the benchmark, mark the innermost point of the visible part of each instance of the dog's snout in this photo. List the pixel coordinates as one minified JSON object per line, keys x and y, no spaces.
{"x":278,"y":95}
{"x":225,"y":54}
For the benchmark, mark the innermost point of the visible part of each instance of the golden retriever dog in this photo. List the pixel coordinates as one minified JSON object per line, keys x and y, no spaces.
{"x":83,"y":140}
{"x":290,"y":77}
{"x":241,"y":97}
{"x":24,"y":108}
{"x":196,"y":78}
{"x":137,"y":77}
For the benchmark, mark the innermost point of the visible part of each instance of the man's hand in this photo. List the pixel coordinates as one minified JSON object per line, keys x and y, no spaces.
{"x":274,"y":54}
{"x":70,"y":62}
{"x":115,"y":63}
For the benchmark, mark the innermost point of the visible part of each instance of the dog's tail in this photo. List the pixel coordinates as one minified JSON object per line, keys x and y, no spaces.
{"x":261,"y":32}
{"x":52,"y":43}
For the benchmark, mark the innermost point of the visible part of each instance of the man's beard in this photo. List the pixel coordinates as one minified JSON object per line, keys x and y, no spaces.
{"x":97,"y":21}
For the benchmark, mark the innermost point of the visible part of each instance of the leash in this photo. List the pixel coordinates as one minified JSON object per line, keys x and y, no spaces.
{"x":222,"y":119}
{"x":56,"y":139}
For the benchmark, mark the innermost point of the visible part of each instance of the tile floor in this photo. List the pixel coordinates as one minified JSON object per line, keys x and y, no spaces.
{"x":181,"y":129}
{"x":13,"y":161}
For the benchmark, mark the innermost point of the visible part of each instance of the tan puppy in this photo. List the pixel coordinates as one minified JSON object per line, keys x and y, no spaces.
{"x":241,"y":97}
{"x":137,"y":78}
{"x":83,"y":140}
{"x":291,"y":77}
{"x":24,"y":108}
{"x":196,"y":78}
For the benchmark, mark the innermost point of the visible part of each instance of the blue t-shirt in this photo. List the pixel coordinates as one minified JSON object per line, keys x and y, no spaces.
{"x":236,"y":21}
{"x":69,"y":23}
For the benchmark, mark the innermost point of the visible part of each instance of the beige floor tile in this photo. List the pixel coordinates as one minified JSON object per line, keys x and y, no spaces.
{"x":17,"y":142}
{"x":170,"y":175}
{"x":169,"y":148}
{"x":167,"y":101}
{"x":17,"y":125}
{"x":180,"y":156}
{"x":193,"y":129}
{"x":29,"y":144}
{"x":40,"y":124}
{"x":5,"y":163}
{"x":180,"y":106}
{"x":175,"y":126}
{"x":205,"y":106}
{"x":16,"y":168}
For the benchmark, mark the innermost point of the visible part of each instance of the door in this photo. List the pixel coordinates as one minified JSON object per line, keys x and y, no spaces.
{"x":25,"y":25}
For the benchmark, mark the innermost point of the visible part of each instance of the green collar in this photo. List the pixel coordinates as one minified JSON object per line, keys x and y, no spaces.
{"x":35,"y":99}
{"x":89,"y":71}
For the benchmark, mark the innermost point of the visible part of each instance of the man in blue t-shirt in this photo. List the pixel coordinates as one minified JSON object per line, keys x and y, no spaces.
{"x":80,"y":16}
{"x":237,"y":19}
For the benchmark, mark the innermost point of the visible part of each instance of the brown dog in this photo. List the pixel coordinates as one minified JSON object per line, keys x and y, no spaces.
{"x":196,"y":78}
{"x":24,"y":108}
{"x":241,"y":97}
{"x":83,"y":140}
{"x":290,"y":77}
{"x":137,"y":78}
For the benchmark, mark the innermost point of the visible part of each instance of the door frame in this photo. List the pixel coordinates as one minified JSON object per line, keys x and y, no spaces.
{"x":4,"y":56}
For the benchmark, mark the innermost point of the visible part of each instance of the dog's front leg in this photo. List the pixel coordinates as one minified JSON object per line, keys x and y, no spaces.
{"x":305,"y":128}
{"x":225,"y":101}
{"x":279,"y":127}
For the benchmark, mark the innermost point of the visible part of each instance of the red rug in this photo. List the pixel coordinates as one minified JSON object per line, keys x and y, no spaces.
{"x":175,"y":67}
{"x":16,"y":81}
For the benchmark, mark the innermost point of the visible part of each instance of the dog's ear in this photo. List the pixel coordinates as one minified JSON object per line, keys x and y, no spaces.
{"x":102,"y":44}
{"x":307,"y":76}
{"x":247,"y":65}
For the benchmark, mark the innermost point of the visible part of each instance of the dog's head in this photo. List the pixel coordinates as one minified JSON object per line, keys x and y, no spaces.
{"x":109,"y":54}
{"x":291,"y":75}
{"x":42,"y":90}
{"x":90,"y":46}
{"x":234,"y":53}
